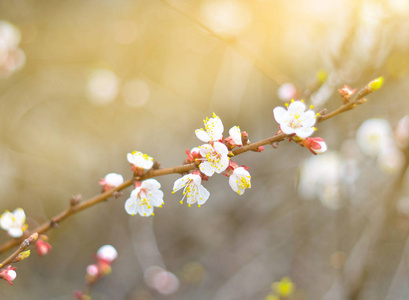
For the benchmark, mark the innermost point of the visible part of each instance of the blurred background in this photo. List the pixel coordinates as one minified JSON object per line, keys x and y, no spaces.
{"x":82,"y":83}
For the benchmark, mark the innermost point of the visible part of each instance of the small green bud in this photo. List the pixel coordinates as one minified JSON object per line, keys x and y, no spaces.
{"x":376,"y":84}
{"x":22,"y":256}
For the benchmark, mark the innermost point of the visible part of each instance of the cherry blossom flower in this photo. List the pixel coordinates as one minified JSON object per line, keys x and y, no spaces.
{"x":139,"y":161}
{"x":14,"y":222}
{"x":216,"y":158}
{"x":192,"y":189}
{"x":316,"y":145}
{"x":240,"y":180}
{"x":235,"y":138}
{"x":8,"y":274}
{"x":214,"y":130}
{"x":144,"y":198}
{"x":111,"y":181}
{"x":295,"y":120}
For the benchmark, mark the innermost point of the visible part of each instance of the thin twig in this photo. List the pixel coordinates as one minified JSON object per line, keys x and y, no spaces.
{"x":76,"y":207}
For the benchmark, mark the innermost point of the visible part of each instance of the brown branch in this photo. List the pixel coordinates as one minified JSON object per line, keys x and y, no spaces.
{"x":23,"y":247}
{"x":76,"y":207}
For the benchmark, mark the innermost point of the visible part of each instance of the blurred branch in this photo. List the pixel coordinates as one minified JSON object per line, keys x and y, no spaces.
{"x":76,"y":205}
{"x":258,"y":62}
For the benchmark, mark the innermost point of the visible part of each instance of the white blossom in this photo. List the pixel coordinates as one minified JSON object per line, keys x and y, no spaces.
{"x":140,"y":160}
{"x":216,"y":158}
{"x":240,"y":180}
{"x":144,"y":198}
{"x":193,"y":189}
{"x":14,"y":222}
{"x":235,"y":134}
{"x":295,"y":119}
{"x":214,"y":130}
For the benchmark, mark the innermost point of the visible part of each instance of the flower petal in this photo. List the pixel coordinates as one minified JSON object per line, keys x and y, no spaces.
{"x":202,"y":135}
{"x":203,"y":195}
{"x":304,"y":132}
{"x":131,"y":207}
{"x":151,"y":184}
{"x":206,"y":168}
{"x":280,"y":114}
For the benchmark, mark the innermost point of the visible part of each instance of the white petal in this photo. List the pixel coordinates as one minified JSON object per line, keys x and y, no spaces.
{"x":287,"y":129}
{"x":156,"y":198}
{"x":196,"y":179}
{"x":15,"y":232}
{"x":235,"y":134}
{"x":179,"y":183}
{"x":145,"y":211}
{"x":215,"y":128}
{"x":146,"y":164}
{"x":131,"y":207}
{"x":204,"y":149}
{"x":203,"y":195}
{"x":151,"y":184}
{"x":309,"y":119}
{"x":303,"y":132}
{"x":6,"y":220}
{"x":296,"y":107}
{"x":130,"y":158}
{"x":223,"y":164}
{"x":280,"y":114}
{"x":202,"y":135}
{"x":206,"y":168}
{"x":221,"y":148}
{"x":233,"y":183}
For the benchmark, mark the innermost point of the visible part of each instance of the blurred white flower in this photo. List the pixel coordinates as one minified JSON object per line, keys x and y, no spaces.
{"x":295,"y":119}
{"x":390,"y":159}
{"x":111,"y":180}
{"x":144,"y":198}
{"x":373,"y":136}
{"x":402,"y":132}
{"x":161,"y":280}
{"x":287,"y":91}
{"x":12,"y":58}
{"x":14,"y":222}
{"x":103,"y":86}
{"x":193,"y":189}
{"x":320,"y":178}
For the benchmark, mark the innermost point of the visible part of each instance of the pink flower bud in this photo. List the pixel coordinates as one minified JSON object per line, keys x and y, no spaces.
{"x":315,"y":145}
{"x":107,"y":254}
{"x":43,"y":248}
{"x":93,"y":273}
{"x":8,"y":274}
